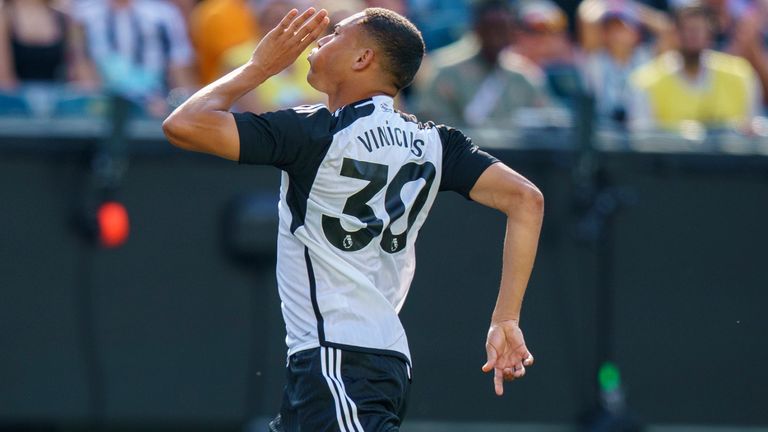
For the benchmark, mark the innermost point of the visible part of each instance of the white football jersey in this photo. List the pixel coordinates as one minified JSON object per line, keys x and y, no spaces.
{"x":357,"y":186}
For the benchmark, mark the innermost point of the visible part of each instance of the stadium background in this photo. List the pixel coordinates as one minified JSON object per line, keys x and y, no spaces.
{"x":647,"y":299}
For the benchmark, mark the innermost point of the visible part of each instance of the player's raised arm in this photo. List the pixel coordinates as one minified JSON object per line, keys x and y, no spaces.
{"x":203,"y":123}
{"x":502,"y":188}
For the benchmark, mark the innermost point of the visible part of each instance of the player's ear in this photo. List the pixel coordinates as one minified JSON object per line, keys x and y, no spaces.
{"x":364,"y":59}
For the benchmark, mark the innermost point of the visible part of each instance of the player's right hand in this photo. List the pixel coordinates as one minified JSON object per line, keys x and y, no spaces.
{"x":279,"y":48}
{"x":507,"y":354}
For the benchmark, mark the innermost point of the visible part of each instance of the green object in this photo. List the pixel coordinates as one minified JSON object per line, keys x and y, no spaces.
{"x":609,"y":377}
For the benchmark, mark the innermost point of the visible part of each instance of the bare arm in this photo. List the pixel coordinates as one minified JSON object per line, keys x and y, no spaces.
{"x":81,"y":69}
{"x":748,"y":43}
{"x":501,"y":188}
{"x":203,"y":123}
{"x":659,"y":24}
{"x":7,"y":75}
{"x":588,"y":25}
{"x":759,"y":61}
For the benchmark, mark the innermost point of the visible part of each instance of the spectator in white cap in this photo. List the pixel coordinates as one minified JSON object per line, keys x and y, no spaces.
{"x":607,"y":69}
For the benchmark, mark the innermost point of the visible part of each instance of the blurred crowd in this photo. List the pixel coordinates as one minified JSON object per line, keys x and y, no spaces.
{"x":490,"y":63}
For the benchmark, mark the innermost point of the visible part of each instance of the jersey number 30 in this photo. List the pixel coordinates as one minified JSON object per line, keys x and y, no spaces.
{"x":357,"y":205}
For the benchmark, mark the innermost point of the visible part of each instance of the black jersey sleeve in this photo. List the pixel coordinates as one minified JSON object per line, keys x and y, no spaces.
{"x":463,"y":161}
{"x":283,"y":139}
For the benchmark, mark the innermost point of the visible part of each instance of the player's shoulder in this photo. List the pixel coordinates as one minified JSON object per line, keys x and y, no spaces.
{"x":302,"y":114}
{"x":447,"y":134}
{"x":313,"y":121}
{"x":412,"y":119}
{"x":314,"y":110}
{"x":317,"y":119}
{"x":452,"y":137}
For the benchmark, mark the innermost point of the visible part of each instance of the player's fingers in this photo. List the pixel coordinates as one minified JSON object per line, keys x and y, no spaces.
{"x":287,"y":19}
{"x":519,"y":371}
{"x":509,"y":374}
{"x":498,"y":381}
{"x":528,"y":361}
{"x":317,"y":32}
{"x":300,"y":20}
{"x":492,"y":356}
{"x":312,"y":25}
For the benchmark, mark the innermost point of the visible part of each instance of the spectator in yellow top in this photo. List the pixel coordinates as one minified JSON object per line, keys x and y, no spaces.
{"x":216,"y":26}
{"x":694,"y":83}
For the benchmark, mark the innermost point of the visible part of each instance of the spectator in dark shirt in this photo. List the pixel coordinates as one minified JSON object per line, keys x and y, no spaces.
{"x":39,"y":43}
{"x":477,"y":82}
{"x":742,"y":30}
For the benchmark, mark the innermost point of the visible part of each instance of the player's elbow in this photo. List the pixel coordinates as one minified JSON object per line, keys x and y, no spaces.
{"x":532,"y":199}
{"x":523,"y":198}
{"x":178,"y":131}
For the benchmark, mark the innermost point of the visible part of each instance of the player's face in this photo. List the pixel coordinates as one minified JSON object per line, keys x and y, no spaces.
{"x":331,"y":61}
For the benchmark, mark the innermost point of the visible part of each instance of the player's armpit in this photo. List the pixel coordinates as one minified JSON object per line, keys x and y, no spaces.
{"x":213,"y":132}
{"x":502,"y":188}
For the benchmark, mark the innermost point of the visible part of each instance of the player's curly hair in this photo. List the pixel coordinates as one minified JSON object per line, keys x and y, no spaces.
{"x":400,"y":42}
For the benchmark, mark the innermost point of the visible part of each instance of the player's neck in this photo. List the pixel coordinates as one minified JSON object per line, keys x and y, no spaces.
{"x":345,"y":96}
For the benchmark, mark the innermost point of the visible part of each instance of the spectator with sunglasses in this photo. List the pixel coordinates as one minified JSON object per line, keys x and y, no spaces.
{"x":478,"y":81}
{"x":541,"y":35}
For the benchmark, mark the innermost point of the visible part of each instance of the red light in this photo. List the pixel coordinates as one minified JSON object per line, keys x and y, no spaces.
{"x":113,"y":224}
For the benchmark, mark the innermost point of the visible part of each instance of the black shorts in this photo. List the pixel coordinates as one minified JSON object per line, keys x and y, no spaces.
{"x":333,"y":390}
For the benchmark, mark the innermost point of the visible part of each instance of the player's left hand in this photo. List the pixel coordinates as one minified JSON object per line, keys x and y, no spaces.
{"x":507,"y":354}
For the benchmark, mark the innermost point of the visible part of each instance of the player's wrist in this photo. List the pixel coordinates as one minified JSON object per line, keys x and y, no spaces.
{"x":255,"y":72}
{"x":505,"y":320}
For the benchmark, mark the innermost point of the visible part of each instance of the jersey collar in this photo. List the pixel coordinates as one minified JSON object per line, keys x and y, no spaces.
{"x":381,"y":102}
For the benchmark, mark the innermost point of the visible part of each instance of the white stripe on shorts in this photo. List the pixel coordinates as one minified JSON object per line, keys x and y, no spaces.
{"x":334,"y":357}
{"x":324,"y":368}
{"x":355,"y":419}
